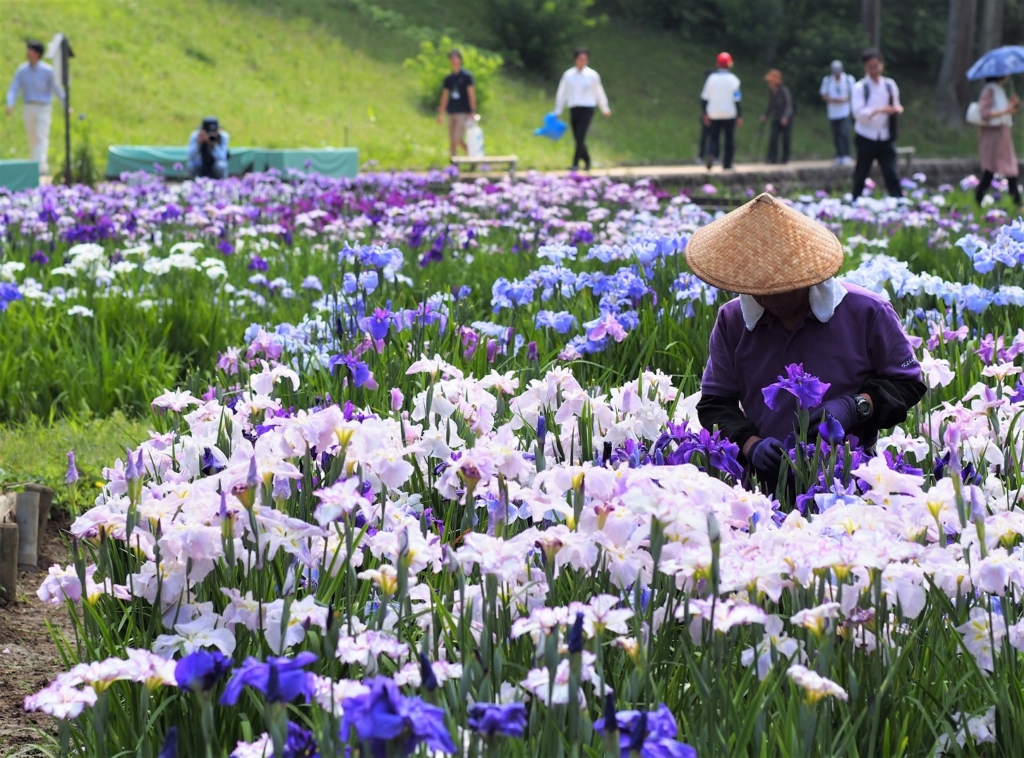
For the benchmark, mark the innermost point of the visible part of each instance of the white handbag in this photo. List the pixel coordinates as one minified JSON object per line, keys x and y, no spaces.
{"x":974,"y":115}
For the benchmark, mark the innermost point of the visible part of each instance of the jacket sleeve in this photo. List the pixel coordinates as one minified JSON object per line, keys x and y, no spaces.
{"x":892,"y":400}
{"x":787,"y":112}
{"x":724,"y":413}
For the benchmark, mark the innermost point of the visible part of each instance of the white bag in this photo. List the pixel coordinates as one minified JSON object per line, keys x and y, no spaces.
{"x":974,"y":115}
{"x":474,"y":141}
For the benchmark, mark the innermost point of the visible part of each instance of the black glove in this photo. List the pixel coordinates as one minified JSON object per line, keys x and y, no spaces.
{"x":766,"y":456}
{"x":842,"y":409}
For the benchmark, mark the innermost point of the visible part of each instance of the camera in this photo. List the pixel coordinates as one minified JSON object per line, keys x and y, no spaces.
{"x":212,"y":129}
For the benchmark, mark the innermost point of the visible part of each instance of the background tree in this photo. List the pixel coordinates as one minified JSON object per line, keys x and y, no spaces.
{"x":953,"y":92}
{"x":990,"y":33}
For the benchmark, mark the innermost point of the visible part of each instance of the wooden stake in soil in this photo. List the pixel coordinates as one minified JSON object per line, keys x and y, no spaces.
{"x":8,"y":561}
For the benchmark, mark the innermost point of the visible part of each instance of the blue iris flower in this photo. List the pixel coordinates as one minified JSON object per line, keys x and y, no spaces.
{"x":490,"y":719}
{"x":807,"y":389}
{"x":561,"y":321}
{"x":290,"y":679}
{"x":650,"y":733}
{"x":394,"y":724}
{"x":201,"y":670}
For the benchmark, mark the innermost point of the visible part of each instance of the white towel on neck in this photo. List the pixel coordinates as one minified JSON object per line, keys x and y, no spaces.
{"x":824,"y":297}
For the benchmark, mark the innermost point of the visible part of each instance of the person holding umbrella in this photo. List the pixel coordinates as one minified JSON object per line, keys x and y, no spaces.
{"x":995,"y":143}
{"x":996,"y":109}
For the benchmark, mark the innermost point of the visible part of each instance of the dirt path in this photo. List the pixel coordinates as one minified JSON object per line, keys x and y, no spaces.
{"x":28,"y":657}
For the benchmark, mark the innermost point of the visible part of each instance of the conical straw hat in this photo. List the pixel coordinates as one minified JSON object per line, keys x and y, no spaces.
{"x":764,"y":248}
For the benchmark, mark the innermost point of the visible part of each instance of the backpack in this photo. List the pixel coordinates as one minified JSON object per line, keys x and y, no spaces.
{"x":893,"y":118}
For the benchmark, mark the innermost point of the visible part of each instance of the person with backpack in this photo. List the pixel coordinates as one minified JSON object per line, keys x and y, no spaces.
{"x":779,"y":113}
{"x":995,"y":142}
{"x":837,"y":92}
{"x":876,"y":108}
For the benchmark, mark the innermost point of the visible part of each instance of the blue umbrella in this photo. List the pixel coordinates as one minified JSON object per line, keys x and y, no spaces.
{"x":553,"y":129}
{"x":998,"y":63}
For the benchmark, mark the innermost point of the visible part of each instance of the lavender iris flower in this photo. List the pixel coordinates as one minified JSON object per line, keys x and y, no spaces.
{"x":72,"y":473}
{"x":385,"y":718}
{"x":201,"y":670}
{"x":807,"y":389}
{"x":490,"y":719}
{"x":292,"y":680}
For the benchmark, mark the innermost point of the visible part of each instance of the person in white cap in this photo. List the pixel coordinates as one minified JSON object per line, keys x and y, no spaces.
{"x":791,"y":310}
{"x":37,"y":85}
{"x":837,"y":91}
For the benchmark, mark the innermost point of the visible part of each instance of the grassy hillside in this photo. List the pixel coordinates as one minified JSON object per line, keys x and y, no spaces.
{"x":292,"y":73}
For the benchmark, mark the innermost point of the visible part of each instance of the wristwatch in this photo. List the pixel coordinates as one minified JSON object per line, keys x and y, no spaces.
{"x":863,"y":407}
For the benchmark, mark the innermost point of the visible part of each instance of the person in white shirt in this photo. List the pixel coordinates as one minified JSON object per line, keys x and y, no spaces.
{"x":720,"y":99}
{"x":580,"y":90}
{"x":876,"y":105}
{"x":837,"y":92}
{"x":36,"y":83}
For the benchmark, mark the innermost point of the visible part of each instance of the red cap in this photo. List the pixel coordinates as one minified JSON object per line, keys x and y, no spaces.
{"x":724,"y":60}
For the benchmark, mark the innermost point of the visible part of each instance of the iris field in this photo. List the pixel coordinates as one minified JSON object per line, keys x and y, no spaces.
{"x":425,"y":478}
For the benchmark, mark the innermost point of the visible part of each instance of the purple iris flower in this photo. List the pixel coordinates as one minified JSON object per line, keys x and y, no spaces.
{"x":200,"y":670}
{"x":575,"y":643}
{"x":378,"y":324}
{"x":170,"y":746}
{"x":393,"y":724}
{"x":39,"y":257}
{"x":427,"y":675}
{"x":280,"y":679}
{"x":807,"y":389}
{"x":361,"y":374}
{"x":258,"y":264}
{"x":831,"y":430}
{"x":649,"y":733}
{"x":210,"y":464}
{"x":225,"y":248}
{"x":490,"y":719}
{"x":300,"y":743}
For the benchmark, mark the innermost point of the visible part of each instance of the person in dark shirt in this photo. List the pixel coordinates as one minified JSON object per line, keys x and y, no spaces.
{"x":791,"y":310}
{"x":779,"y":114}
{"x":458,"y":100}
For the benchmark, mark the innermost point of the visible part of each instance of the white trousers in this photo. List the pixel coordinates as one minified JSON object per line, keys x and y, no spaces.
{"x":37,"y":127}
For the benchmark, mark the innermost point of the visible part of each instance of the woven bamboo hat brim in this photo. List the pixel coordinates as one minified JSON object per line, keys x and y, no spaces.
{"x":764,"y":248}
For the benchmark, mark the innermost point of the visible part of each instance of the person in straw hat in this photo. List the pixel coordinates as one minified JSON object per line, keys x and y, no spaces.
{"x":791,"y":310}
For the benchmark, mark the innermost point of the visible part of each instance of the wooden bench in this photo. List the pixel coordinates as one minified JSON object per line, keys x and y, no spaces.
{"x":473,"y":161}
{"x":907,"y":154}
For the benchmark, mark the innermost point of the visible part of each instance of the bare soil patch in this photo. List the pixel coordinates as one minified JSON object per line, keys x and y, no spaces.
{"x":28,"y":657}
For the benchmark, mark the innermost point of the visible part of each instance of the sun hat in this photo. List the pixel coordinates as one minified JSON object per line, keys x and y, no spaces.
{"x":836,"y":66}
{"x":764,"y":248}
{"x":724,"y":60}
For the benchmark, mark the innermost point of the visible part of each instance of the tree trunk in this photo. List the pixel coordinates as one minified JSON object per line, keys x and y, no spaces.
{"x":871,"y":19}
{"x":991,"y":35}
{"x":954,"y":91}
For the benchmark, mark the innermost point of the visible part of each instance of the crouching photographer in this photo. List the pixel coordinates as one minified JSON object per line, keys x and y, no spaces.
{"x":208,"y":151}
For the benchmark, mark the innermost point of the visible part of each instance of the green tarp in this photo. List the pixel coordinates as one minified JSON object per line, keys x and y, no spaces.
{"x":330,"y":162}
{"x":19,"y":175}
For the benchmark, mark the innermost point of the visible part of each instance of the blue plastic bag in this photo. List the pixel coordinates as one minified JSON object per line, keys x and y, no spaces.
{"x":553,"y":129}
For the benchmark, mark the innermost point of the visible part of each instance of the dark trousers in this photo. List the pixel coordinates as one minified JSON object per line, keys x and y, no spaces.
{"x":986,"y":182}
{"x":719,"y":125}
{"x":869,"y":151}
{"x":786,"y":133}
{"x":580,"y":120}
{"x":840,"y":136}
{"x":705,"y":138}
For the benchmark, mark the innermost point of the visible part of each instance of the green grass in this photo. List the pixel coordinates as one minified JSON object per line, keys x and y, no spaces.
{"x":293,"y":73}
{"x":37,"y":451}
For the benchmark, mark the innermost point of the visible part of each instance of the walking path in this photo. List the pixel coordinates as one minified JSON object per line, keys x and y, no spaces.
{"x":819,"y":174}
